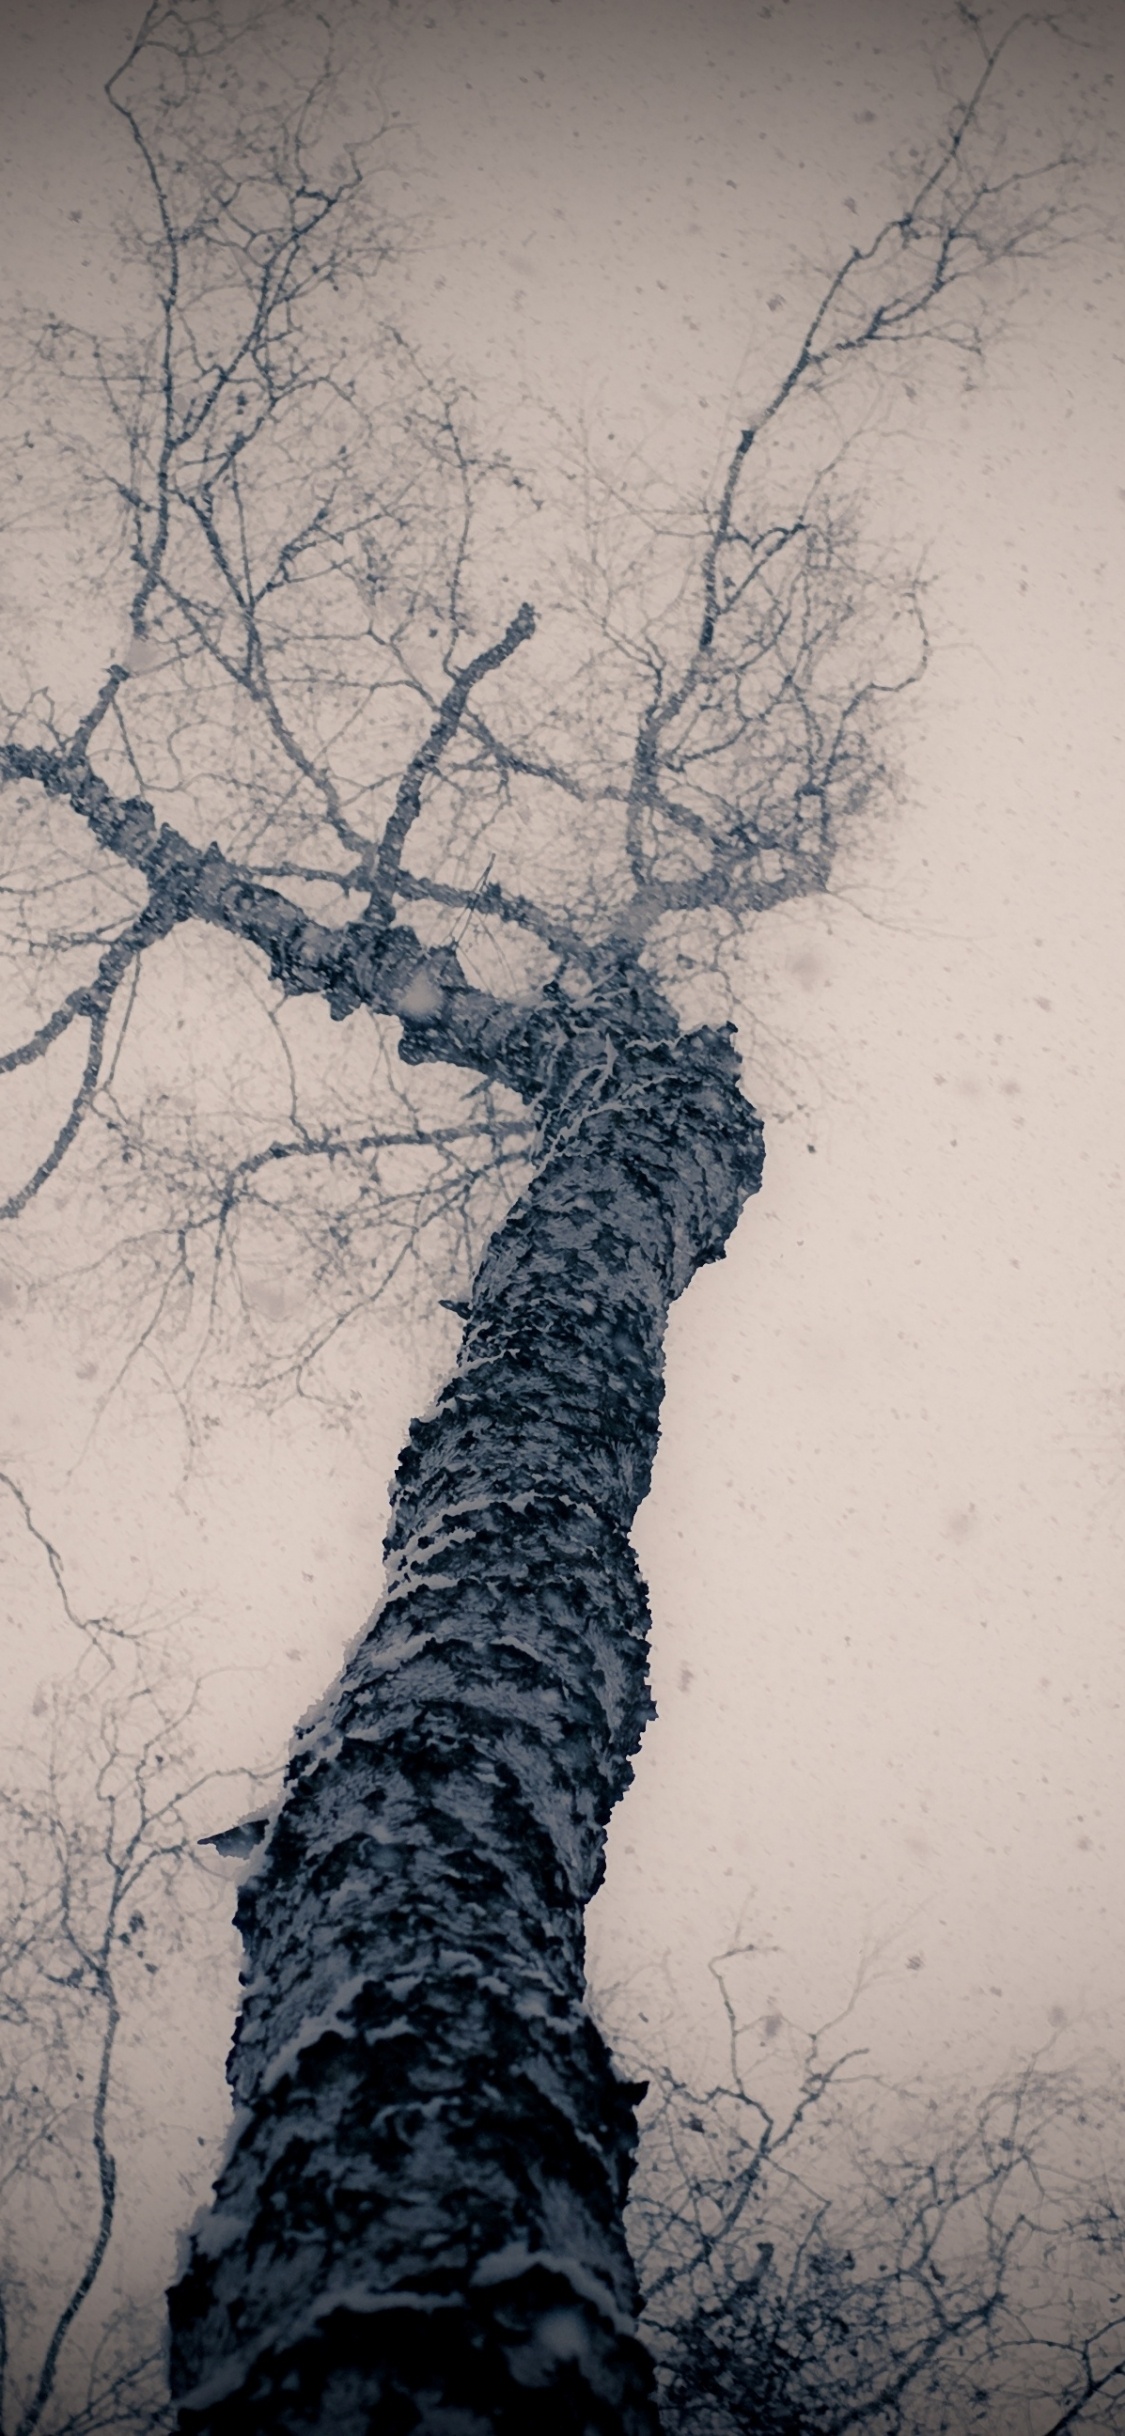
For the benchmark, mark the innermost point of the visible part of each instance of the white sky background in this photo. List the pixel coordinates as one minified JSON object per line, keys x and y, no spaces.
{"x":884,"y":1543}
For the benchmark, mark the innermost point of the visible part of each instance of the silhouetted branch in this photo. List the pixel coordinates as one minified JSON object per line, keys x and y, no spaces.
{"x":90,"y":1076}
{"x":408,"y":802}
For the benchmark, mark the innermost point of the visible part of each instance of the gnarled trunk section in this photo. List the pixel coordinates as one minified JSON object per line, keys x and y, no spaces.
{"x":419,"y":2225}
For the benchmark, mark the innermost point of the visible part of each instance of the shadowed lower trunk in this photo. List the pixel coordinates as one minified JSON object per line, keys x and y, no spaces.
{"x":419,"y":2226}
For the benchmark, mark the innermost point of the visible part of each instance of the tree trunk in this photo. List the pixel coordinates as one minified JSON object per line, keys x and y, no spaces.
{"x":419,"y":2224}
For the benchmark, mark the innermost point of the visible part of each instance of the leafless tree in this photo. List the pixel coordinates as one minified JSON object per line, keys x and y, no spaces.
{"x":99,"y":1815}
{"x":337,"y":766}
{"x":845,"y":2256}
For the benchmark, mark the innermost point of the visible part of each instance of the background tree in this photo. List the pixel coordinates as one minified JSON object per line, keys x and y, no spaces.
{"x":820,"y":2254}
{"x":100,"y":1813}
{"x":320,"y":691}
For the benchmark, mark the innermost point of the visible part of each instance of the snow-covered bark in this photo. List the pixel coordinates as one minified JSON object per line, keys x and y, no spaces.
{"x":419,"y":2222}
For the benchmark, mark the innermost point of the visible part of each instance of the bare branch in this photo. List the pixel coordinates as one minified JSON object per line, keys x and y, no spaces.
{"x":408,"y":802}
{"x":107,"y":2187}
{"x":18,"y":1201}
{"x":94,"y":998}
{"x":362,"y":964}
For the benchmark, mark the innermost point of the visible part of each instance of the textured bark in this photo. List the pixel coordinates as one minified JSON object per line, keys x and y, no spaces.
{"x":419,"y":2225}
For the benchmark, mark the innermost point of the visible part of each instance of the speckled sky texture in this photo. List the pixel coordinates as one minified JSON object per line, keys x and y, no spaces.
{"x":884,"y":1540}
